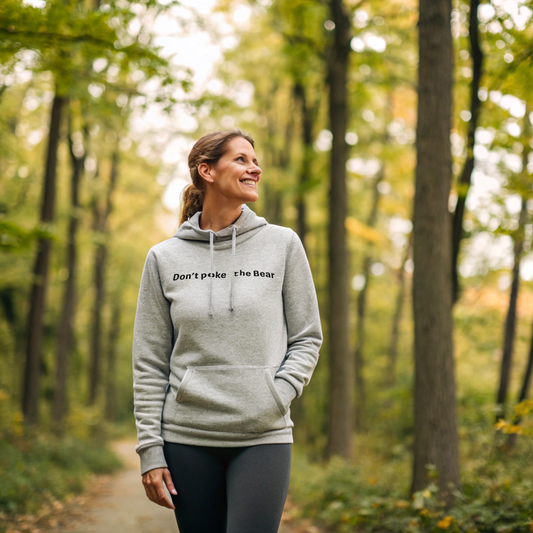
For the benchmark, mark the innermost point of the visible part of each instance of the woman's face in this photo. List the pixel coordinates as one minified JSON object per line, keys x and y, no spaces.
{"x":236,"y":175}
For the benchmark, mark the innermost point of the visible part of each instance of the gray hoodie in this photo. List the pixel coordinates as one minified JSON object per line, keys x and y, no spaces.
{"x":227,"y":333}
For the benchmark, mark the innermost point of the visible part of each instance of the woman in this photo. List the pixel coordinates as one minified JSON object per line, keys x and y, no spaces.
{"x":227,"y":333}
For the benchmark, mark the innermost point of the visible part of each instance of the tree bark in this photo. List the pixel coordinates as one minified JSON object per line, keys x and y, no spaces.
{"x":524,"y":392}
{"x":307,"y":114}
{"x":527,"y":149}
{"x":68,"y":311}
{"x":510,"y":319}
{"x":32,"y":369}
{"x":466,"y":176}
{"x":390,"y":374}
{"x":526,"y":383}
{"x":359,"y":359}
{"x":435,"y":434}
{"x":111,"y":378}
{"x":100,"y":225}
{"x":340,"y":408}
{"x":279,"y":154}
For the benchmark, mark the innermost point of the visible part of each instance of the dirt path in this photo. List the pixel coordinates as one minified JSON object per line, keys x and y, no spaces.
{"x":117,"y":503}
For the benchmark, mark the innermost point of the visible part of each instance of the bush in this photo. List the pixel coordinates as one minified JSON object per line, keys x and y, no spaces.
{"x":35,"y":467}
{"x":370,"y":495}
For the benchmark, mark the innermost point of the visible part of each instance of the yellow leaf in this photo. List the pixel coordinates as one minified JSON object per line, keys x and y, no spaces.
{"x":445,"y":522}
{"x":500,"y":424}
{"x":402,"y":504}
{"x":358,"y":229}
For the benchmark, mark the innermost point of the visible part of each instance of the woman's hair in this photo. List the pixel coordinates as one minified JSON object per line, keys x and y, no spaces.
{"x":208,"y":149}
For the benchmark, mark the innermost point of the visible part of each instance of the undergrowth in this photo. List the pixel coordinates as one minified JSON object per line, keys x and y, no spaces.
{"x":371,"y":493}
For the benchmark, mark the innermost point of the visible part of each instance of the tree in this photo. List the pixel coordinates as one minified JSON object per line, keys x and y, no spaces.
{"x":390,"y":374}
{"x":308,"y":116}
{"x":112,"y":346}
{"x":100,"y":226}
{"x":340,"y":407}
{"x":510,"y":319}
{"x":31,"y":384}
{"x":435,"y":439}
{"x":465,"y":179}
{"x":68,"y":310}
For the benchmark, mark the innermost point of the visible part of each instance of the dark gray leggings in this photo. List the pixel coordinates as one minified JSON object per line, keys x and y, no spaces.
{"x":231,"y":489}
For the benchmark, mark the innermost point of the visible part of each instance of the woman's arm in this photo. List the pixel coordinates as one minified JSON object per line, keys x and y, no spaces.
{"x":152,"y":347}
{"x":304,"y":331}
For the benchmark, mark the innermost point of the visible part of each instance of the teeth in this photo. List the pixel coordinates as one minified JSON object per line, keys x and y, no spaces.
{"x":251,"y":182}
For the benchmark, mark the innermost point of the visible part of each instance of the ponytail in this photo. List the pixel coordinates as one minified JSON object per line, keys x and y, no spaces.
{"x":192,"y":201}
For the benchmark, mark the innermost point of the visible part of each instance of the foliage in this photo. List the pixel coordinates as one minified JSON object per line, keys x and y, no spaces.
{"x":66,"y":38}
{"x":370,"y":495}
{"x":512,"y":425}
{"x":36,"y":467}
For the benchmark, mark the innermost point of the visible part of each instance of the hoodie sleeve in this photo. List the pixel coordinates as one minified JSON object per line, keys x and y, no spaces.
{"x":152,"y":347}
{"x":304,"y":331}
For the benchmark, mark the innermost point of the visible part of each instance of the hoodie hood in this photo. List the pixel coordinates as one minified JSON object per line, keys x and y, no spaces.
{"x":246,"y":226}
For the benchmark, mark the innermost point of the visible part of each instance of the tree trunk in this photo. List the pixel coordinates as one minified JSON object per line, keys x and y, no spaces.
{"x":466,"y":176}
{"x":279,"y":155}
{"x":510,"y":320}
{"x":527,"y":149}
{"x":8,"y":300}
{"x":100,"y":225}
{"x":524,"y":391}
{"x":32,"y":369}
{"x":435,"y":434}
{"x":273,"y":204}
{"x":307,"y":114}
{"x":111,"y":378}
{"x":64,"y":338}
{"x":340,"y":362}
{"x":390,"y":374}
{"x":359,"y":359}
{"x":526,"y":383}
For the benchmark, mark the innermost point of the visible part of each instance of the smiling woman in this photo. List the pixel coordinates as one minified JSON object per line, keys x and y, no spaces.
{"x":225,"y":173}
{"x":227,"y":333}
{"x":230,"y":182}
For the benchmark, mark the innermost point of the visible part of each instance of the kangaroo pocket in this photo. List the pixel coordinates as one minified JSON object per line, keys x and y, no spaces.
{"x":238,"y":399}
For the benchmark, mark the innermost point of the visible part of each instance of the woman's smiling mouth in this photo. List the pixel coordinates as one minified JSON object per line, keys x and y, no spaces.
{"x":249,"y":182}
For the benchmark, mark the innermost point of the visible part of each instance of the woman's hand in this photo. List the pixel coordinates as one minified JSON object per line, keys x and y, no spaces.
{"x":155,"y":490}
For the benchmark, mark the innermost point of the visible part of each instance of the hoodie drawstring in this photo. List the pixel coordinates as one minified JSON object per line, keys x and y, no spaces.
{"x":232,"y":273}
{"x":211,"y":277}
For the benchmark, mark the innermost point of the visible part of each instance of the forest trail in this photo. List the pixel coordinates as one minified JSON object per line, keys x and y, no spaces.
{"x":115,"y":503}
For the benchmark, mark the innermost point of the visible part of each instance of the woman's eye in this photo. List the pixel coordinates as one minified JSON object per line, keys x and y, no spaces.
{"x":240,"y":157}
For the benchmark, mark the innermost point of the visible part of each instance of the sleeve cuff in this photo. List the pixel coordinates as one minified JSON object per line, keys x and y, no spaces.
{"x":285,"y":390}
{"x":152,"y":457}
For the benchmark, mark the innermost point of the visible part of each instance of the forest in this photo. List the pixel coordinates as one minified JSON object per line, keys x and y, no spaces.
{"x":396,"y":139}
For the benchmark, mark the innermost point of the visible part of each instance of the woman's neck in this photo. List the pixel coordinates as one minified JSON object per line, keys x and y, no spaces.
{"x":217,"y":218}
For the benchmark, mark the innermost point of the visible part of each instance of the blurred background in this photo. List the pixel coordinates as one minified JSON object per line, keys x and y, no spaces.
{"x":100,"y":104}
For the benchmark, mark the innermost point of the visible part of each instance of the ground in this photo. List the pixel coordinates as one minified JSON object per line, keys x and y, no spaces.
{"x":117,"y":503}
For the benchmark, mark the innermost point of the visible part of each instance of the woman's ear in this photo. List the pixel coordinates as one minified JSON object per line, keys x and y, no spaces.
{"x":205,"y":172}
